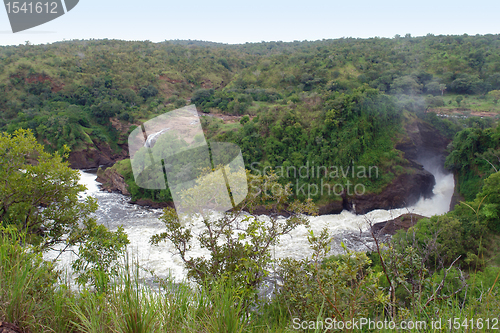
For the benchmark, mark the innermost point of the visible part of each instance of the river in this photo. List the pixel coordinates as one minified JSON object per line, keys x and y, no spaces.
{"x":140,"y":223}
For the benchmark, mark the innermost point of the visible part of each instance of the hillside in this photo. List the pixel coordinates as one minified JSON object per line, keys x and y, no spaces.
{"x":344,"y":102}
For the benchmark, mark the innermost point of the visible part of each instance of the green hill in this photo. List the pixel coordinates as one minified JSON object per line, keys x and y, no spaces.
{"x":331,"y":102}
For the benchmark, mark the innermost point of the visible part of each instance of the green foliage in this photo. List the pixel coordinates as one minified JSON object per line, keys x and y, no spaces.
{"x":43,"y":81}
{"x":447,"y":127}
{"x":495,"y":94}
{"x":227,"y":314}
{"x":434,"y":101}
{"x":28,"y":285}
{"x":347,"y":130}
{"x":29,"y":295}
{"x":138,"y":313}
{"x":239,"y":245}
{"x":320,"y":102}
{"x":464,"y":233}
{"x":23,"y":276}
{"x":148,"y":91}
{"x":474,"y":156}
{"x":313,"y":101}
{"x":39,"y":192}
{"x":488,"y":202}
{"x":406,"y":85}
{"x":98,"y":253}
{"x":342,"y":287}
{"x":39,"y":197}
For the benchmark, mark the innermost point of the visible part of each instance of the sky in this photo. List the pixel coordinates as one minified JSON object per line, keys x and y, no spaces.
{"x":260,"y":20}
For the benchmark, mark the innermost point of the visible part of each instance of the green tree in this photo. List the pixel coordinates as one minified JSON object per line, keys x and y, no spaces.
{"x":495,"y":94}
{"x":98,"y":253}
{"x":39,"y":197}
{"x":343,"y":286}
{"x":406,"y":85}
{"x":465,"y":84}
{"x":442,"y":87}
{"x":148,"y":91}
{"x":489,"y":201}
{"x":239,"y":244}
{"x":433,"y":87}
{"x":39,"y":192}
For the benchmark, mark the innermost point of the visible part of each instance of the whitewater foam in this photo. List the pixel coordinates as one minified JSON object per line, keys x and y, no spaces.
{"x":140,"y":223}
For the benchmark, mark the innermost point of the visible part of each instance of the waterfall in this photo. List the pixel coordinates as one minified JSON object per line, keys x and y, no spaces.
{"x":140,"y":223}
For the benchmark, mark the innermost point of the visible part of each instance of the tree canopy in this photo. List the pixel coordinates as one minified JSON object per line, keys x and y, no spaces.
{"x":39,"y":193}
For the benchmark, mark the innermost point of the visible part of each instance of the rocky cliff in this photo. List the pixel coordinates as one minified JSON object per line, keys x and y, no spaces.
{"x":421,"y":141}
{"x":390,"y":227}
{"x":96,"y":156}
{"x":100,"y":153}
{"x":403,"y":191}
{"x":111,"y":181}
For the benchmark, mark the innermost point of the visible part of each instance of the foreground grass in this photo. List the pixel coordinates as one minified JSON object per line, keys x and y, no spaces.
{"x":31,"y":297}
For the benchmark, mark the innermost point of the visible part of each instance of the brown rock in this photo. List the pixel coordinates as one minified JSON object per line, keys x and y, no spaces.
{"x":390,"y":227}
{"x":403,"y":191}
{"x":457,"y":197}
{"x":152,"y":204}
{"x":422,"y":139}
{"x":94,"y":157}
{"x":88,"y":159}
{"x":334,"y":207}
{"x":112,"y":181}
{"x":262,"y":210}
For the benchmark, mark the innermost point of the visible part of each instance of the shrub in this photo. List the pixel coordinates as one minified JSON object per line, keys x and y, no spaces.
{"x":239,"y":244}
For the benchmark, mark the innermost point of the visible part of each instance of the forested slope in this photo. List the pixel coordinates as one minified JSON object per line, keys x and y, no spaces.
{"x":341,"y":102}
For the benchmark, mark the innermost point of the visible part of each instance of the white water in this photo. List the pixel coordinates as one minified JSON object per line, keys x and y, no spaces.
{"x":140,"y":223}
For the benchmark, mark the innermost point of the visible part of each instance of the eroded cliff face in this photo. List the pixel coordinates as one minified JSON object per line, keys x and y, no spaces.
{"x":405,"y":190}
{"x":421,"y":141}
{"x":100,"y":154}
{"x":95,"y":157}
{"x":457,"y":197}
{"x":402,"y":222}
{"x":111,"y":181}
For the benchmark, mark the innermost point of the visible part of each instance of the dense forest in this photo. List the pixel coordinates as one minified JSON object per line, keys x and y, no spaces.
{"x":345,"y":103}
{"x":332,"y":102}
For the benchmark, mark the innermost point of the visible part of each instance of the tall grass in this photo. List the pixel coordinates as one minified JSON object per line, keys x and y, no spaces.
{"x":29,"y":293}
{"x":31,"y":297}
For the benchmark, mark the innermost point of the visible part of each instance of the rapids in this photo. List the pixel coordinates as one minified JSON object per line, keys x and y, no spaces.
{"x":140,"y":223}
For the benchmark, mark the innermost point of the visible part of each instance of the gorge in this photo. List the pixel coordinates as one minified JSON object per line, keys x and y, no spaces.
{"x":141,"y":222}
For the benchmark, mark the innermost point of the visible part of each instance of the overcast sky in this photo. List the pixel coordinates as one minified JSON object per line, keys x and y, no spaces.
{"x":261,"y":20}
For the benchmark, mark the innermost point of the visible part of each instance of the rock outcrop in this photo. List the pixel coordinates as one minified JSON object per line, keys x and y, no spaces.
{"x":112,"y":181}
{"x":457,"y":197}
{"x":421,"y":142}
{"x":152,"y":204}
{"x":403,"y":191}
{"x":94,"y":157}
{"x":333,"y":207}
{"x":390,"y":227}
{"x":100,"y":154}
{"x":406,"y":189}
